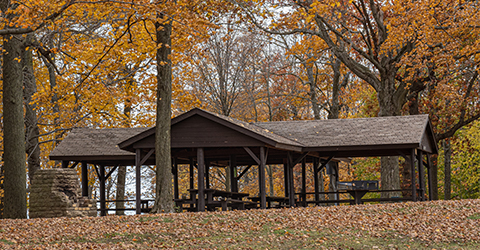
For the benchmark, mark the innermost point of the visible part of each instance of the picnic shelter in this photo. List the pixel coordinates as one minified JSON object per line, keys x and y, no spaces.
{"x":204,"y":140}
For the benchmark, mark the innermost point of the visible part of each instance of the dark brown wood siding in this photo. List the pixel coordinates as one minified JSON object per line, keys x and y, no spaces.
{"x":197,"y":131}
{"x":427,"y":143}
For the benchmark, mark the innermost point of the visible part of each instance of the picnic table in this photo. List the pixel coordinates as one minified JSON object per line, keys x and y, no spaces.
{"x":358,"y":189}
{"x":221,"y":198}
{"x":282,"y":201}
{"x":217,"y":198}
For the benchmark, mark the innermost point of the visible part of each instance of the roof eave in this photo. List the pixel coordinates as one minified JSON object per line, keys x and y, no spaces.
{"x":364,"y":147}
{"x":130,"y":141}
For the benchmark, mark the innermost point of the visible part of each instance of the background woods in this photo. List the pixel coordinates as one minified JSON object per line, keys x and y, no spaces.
{"x":102,"y":64}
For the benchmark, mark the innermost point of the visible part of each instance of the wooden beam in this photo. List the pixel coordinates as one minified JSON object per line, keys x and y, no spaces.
{"x":192,"y":186}
{"x":430,"y":177}
{"x":299,"y":159}
{"x":304,"y":184}
{"x":111,"y":172}
{"x":65,"y":164}
{"x":421,"y":175}
{"x":96,"y":171}
{"x":175,"y":178}
{"x":324,"y":164}
{"x":233,"y":171}
{"x":255,"y":158}
{"x":285,"y":177}
{"x":244,"y":172}
{"x":261,"y":174}
{"x":291,"y":183}
{"x":145,"y":158}
{"x":412,"y":166}
{"x":138,"y":176}
{"x":75,"y":164}
{"x":201,"y":180}
{"x":103,"y":205}
{"x":84,"y":179}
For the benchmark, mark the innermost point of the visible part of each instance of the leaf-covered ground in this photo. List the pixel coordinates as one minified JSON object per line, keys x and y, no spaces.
{"x":431,"y":225}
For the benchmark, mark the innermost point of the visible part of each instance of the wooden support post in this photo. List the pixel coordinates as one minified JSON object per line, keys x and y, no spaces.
{"x":261,"y":179}
{"x":103,"y":206}
{"x":191,"y":173}
{"x":233,"y":171}
{"x":412,"y":166}
{"x":421,"y":175}
{"x":315,"y":180}
{"x":429,"y":178}
{"x":138,"y":176}
{"x":291,"y":187}
{"x":175,"y":179}
{"x":304,"y":183}
{"x":84,"y":179}
{"x":285,"y":177}
{"x":201,"y":180}
{"x":65,"y":164}
{"x":207,"y":174}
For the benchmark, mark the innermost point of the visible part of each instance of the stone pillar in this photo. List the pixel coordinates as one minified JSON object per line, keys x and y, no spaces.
{"x":56,"y":193}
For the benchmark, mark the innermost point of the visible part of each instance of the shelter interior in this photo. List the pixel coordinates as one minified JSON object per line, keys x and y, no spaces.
{"x":204,"y":140}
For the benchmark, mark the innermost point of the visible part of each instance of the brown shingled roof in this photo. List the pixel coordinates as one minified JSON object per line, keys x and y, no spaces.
{"x":399,"y":130}
{"x":351,"y":136}
{"x":83,"y":143}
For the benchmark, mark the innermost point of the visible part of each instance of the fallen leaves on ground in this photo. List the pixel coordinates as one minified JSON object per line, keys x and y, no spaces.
{"x":438,"y":224}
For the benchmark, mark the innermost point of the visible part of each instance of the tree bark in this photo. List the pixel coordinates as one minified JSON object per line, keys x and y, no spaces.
{"x":122,"y":170}
{"x":164,"y":196}
{"x":120,"y":192}
{"x":270,"y":180}
{"x":406,"y":177}
{"x":31,"y":121}
{"x":321,"y":184}
{"x":390,"y":175}
{"x":14,"y":132}
{"x":447,"y":152}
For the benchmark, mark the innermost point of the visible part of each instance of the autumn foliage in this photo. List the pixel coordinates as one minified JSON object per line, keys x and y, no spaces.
{"x":94,"y":64}
{"x":440,"y":225}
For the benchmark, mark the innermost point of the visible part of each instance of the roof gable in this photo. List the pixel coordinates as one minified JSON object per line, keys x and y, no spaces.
{"x":212,"y":130}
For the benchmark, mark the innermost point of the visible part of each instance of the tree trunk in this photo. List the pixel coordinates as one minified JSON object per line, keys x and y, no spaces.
{"x":31,"y":122}
{"x":390,"y":102}
{"x":228,"y":184}
{"x":270,"y":180}
{"x":447,"y":151}
{"x":122,"y":170}
{"x":390,"y":176}
{"x":14,"y":132}
{"x":120,"y":192}
{"x":321,"y":184}
{"x":334,"y":111}
{"x":164,"y":196}
{"x":406,"y":177}
{"x":332,"y":186}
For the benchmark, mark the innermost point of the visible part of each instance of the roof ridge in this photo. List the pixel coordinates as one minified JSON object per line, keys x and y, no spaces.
{"x":352,"y":118}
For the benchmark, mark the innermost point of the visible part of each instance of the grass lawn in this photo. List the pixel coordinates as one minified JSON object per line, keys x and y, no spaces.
{"x":421,"y":225}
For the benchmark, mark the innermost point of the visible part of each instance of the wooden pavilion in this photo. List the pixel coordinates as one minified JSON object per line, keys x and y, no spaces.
{"x":205,"y":139}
